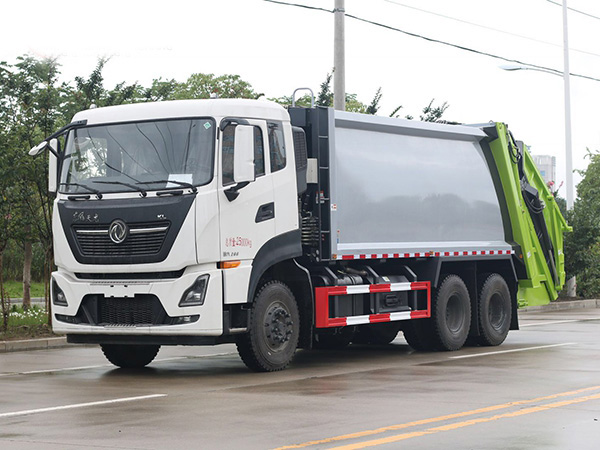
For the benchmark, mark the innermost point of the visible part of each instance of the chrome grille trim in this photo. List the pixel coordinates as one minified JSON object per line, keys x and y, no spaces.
{"x":131,"y":231}
{"x":145,"y":239}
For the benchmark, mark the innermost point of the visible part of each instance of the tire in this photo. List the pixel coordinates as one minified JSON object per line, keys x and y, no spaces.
{"x":274,"y":329}
{"x":377,"y":333}
{"x":130,"y":356}
{"x":495,"y":311}
{"x":451,"y":314}
{"x":419,"y":335}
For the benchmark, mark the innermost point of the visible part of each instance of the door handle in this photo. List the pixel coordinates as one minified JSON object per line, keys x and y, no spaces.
{"x":265,"y":212}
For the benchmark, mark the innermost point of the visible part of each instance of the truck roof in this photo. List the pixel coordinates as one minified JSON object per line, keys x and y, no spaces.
{"x":183,"y":109}
{"x":409,"y":127}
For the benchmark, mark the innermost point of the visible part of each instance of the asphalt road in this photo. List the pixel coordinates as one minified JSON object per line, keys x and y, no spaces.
{"x":539,"y":390}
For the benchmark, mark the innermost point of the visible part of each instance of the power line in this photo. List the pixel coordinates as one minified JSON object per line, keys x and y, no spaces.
{"x":300,"y":6}
{"x":575,"y":10}
{"x":436,"y":41}
{"x":487,"y":27}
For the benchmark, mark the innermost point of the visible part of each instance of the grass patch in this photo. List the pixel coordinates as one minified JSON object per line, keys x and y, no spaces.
{"x":15,"y":289}
{"x":33,"y":316}
{"x":29,"y":324}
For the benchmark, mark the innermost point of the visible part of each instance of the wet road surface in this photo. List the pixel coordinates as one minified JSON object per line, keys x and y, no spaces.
{"x":540,"y":389}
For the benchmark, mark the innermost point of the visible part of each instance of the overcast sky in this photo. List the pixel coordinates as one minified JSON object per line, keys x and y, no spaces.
{"x":279,"y":48}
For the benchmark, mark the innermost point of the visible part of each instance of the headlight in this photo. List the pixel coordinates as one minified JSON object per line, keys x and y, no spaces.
{"x":194,"y":296}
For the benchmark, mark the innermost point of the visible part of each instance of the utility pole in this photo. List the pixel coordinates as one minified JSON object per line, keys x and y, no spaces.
{"x":568,"y":145}
{"x":339,"y":57}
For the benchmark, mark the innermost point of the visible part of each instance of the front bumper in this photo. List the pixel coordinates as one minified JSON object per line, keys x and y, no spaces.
{"x":127,"y":297}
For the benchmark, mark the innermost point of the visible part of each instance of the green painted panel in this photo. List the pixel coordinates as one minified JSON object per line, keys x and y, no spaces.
{"x":541,"y":285}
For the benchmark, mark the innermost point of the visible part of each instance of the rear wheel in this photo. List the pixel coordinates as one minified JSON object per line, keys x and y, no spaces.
{"x":451,"y":314}
{"x":273,"y":332}
{"x":130,"y":356}
{"x":495,"y":311}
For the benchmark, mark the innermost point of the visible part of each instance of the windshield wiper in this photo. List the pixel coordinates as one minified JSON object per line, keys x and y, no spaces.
{"x":180,"y":183}
{"x":87,"y":188}
{"x":143,"y":192}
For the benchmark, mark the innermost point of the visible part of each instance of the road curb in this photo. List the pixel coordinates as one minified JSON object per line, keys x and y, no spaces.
{"x":33,"y":344}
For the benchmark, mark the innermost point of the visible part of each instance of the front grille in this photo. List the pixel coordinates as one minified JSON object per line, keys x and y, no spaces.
{"x":145,"y":239}
{"x":141,"y":310}
{"x":108,"y":278}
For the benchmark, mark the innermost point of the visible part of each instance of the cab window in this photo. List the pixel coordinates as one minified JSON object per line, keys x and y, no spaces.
{"x":276,"y":146}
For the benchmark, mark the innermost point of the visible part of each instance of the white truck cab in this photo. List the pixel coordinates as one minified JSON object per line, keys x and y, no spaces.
{"x":154,"y":209}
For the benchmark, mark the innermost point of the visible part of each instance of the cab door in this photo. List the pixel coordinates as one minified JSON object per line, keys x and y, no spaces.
{"x":247,"y":210}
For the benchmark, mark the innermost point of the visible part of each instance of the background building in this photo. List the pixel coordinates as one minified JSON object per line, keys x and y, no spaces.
{"x":546,"y":164}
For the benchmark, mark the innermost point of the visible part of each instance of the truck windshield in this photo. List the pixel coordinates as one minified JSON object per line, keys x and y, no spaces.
{"x":143,"y":155}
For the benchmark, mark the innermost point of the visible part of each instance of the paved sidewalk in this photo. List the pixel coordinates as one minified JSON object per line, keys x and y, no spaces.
{"x":55,"y":342}
{"x":562,"y":305}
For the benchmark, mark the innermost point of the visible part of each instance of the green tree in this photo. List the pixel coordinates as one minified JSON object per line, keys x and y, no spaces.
{"x":325,"y":97}
{"x":29,"y":111}
{"x":6,"y":188}
{"x":582,"y":246}
{"x":434,"y":113}
{"x":90,"y":91}
{"x":430,"y":113}
{"x":161,"y":90}
{"x":202,"y":85}
{"x":374,"y":105}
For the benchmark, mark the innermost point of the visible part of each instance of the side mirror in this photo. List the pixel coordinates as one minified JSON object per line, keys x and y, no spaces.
{"x":243,"y":158}
{"x":51,"y":145}
{"x":38,"y":148}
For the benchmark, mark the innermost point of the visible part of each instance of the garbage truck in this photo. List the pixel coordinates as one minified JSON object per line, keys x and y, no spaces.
{"x":201,"y":222}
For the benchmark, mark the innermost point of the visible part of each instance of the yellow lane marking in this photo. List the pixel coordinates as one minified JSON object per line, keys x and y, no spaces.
{"x":466,"y":423}
{"x":360,"y":434}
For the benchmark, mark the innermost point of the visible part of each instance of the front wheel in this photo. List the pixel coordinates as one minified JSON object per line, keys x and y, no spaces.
{"x":130,"y":356}
{"x":274,"y":329}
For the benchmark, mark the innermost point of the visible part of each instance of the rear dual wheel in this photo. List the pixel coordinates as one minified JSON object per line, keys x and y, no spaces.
{"x":495,"y":311}
{"x":450,"y":321}
{"x":451,"y":315}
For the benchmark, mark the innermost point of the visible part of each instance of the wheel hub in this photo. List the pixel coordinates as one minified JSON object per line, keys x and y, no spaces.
{"x":454,"y":314}
{"x":278,"y":326}
{"x":497,"y":313}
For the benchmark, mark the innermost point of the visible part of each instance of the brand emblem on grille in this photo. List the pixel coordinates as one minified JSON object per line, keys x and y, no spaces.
{"x":118,"y":231}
